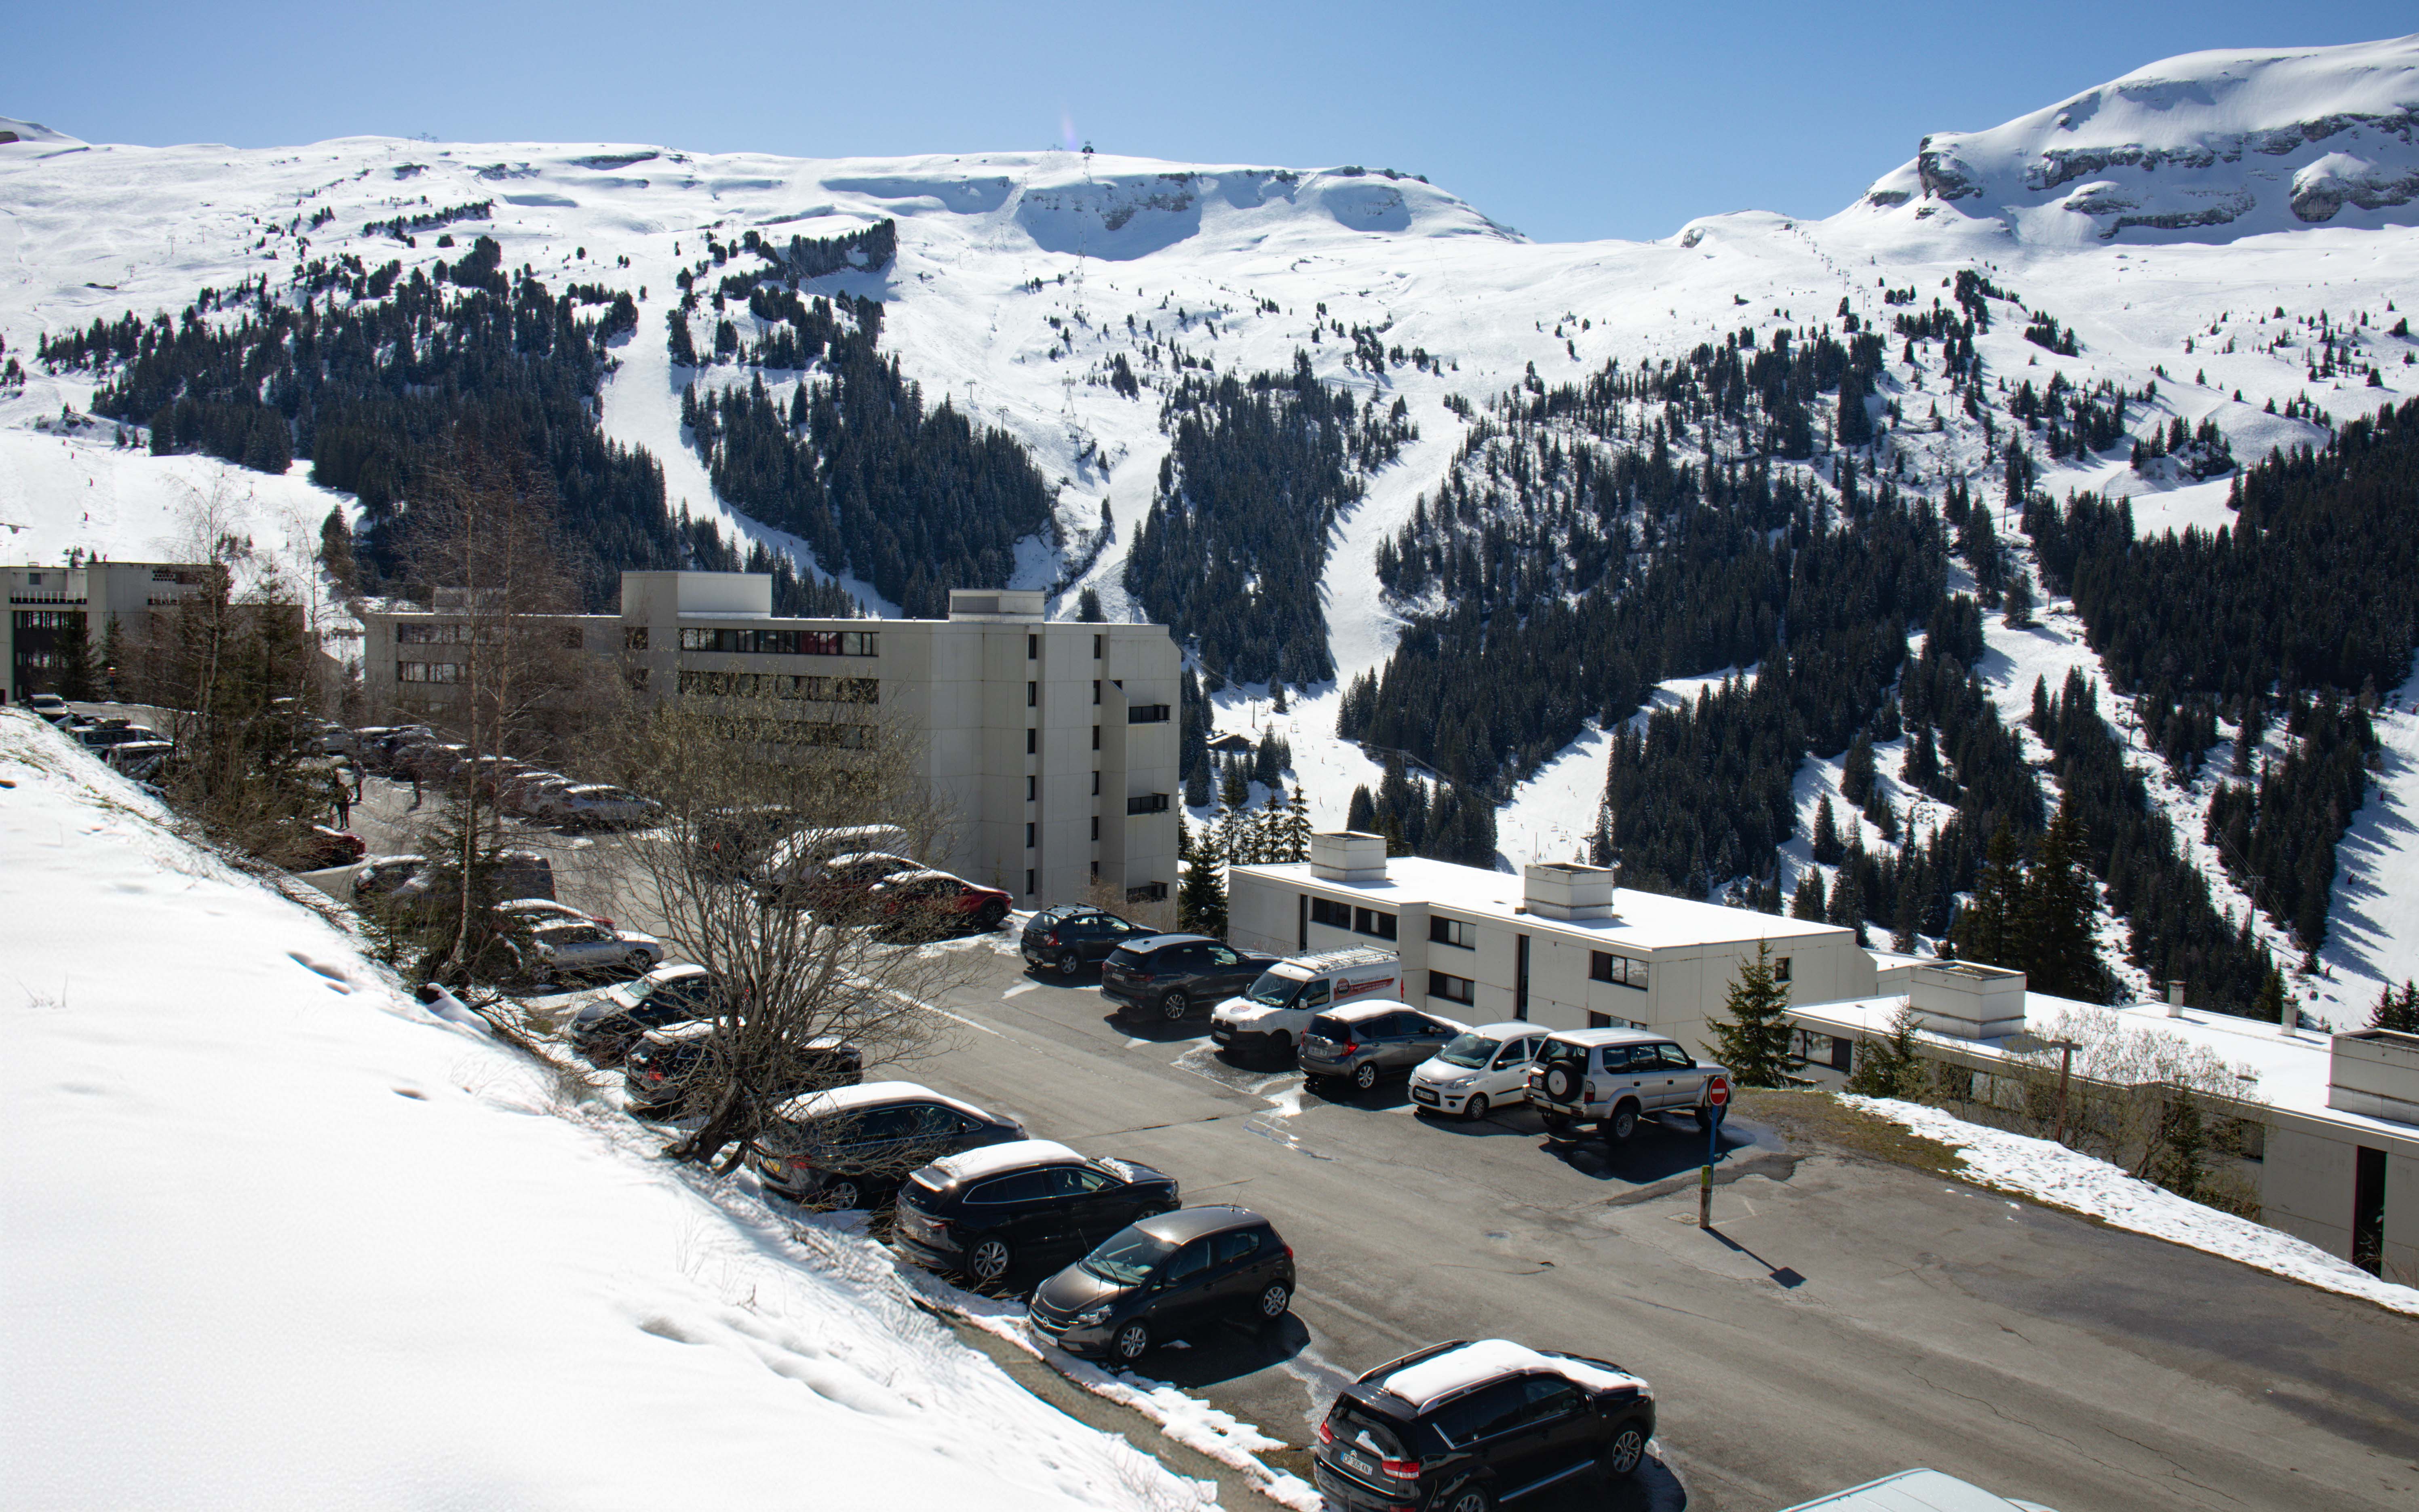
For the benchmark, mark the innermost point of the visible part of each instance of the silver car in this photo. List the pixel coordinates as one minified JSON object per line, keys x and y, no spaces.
{"x":1360,"y":1043}
{"x":596,"y":805}
{"x":589,"y":950}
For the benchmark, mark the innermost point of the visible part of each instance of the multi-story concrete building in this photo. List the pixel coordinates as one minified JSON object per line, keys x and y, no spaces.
{"x":51,"y":608}
{"x":1559,"y":943}
{"x":1055,"y":744}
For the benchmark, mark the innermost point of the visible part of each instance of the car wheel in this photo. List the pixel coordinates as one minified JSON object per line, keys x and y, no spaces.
{"x":1275,"y":1299}
{"x":1131,"y":1343}
{"x":1704,"y":1120}
{"x":842,"y":1195}
{"x":1069,"y":964}
{"x":1475,"y":1108}
{"x":989,"y":1260}
{"x":1465,"y":1498}
{"x":991,"y":918}
{"x":1364,"y":1076}
{"x":1623,"y":1123}
{"x":1174,"y":1005}
{"x":1621,"y":1457}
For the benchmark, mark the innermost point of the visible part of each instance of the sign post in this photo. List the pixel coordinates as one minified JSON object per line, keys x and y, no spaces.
{"x":1717,"y":1094}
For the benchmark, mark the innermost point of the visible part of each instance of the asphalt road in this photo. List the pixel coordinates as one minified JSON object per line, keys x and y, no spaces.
{"x":1843,"y":1319}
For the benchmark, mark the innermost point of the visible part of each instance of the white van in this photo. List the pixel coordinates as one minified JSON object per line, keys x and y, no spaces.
{"x":1270,"y":1017}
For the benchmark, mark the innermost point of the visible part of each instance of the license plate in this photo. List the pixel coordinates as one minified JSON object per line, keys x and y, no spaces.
{"x":1359,"y":1461}
{"x":1221,"y":1031}
{"x":1421,"y":1094}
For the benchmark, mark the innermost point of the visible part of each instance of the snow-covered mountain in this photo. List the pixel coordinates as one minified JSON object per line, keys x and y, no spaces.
{"x":2222,"y":228}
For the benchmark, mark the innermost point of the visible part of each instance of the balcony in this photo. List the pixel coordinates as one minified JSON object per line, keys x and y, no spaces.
{"x":1146,"y":714}
{"x":1147,"y":803}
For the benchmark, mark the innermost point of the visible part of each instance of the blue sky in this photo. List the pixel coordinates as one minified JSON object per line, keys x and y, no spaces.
{"x":1569,"y":121}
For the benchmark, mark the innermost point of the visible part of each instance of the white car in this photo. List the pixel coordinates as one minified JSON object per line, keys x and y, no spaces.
{"x":573,"y":951}
{"x":596,"y":805}
{"x":1483,"y":1068}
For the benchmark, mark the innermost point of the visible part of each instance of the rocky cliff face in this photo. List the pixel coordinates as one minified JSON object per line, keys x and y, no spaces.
{"x":2206,"y":146}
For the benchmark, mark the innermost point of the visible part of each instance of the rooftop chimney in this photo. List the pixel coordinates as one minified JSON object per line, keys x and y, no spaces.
{"x":1347,"y":855}
{"x":1567,"y":890}
{"x":996,"y":603}
{"x":2175,"y":997}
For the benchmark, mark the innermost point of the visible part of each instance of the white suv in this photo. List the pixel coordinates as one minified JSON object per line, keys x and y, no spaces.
{"x":1614,"y":1077}
{"x":1484,"y":1068}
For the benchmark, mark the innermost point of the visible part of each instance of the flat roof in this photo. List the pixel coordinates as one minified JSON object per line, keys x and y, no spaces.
{"x":1640,"y":921}
{"x":2293,"y":1069}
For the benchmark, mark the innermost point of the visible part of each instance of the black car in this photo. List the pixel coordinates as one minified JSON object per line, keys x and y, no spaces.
{"x":608,"y":1025}
{"x":1030,"y":1202}
{"x":1166,"y":1277}
{"x":1074,"y":935}
{"x":1172,"y":975}
{"x":851,"y":1147}
{"x":658,"y":1069}
{"x":1466,"y":1427}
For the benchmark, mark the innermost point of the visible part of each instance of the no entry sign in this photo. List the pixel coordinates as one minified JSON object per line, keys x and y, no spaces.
{"x":1718,"y":1091}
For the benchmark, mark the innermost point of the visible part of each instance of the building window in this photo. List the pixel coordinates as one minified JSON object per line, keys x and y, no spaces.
{"x":1780,"y":968}
{"x":1443,"y":931}
{"x":1618,"y":969}
{"x":1033,"y":695}
{"x":1331,"y":913}
{"x":633,"y":638}
{"x":1095,"y":826}
{"x":1095,"y":782}
{"x":1028,"y":882}
{"x":1096,"y":871}
{"x":1147,"y":803}
{"x":1452,"y":989}
{"x":1600,"y":1021}
{"x":1373,"y":923}
{"x":425,"y":634}
{"x":1032,"y":788}
{"x":1096,"y":646}
{"x":428,"y":672}
{"x":1096,"y":690}
{"x":1033,"y":742}
{"x":1150,"y":892}
{"x":1029,"y":829}
{"x":782,"y":684}
{"x":1033,"y":648}
{"x":2246,"y":1137}
{"x":784,"y":642}
{"x":1146,"y":714}
{"x":1096,"y":737}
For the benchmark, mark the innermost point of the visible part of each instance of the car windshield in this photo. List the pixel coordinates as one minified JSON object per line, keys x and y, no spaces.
{"x":1468,"y":1050}
{"x":1128,"y":1256}
{"x":1274,"y":989}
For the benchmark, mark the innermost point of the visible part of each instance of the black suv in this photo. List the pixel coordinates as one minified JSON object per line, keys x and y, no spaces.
{"x":657,"y":1069}
{"x":1163,"y":1277}
{"x":1171,"y":975}
{"x":851,"y":1147}
{"x":1073,"y":937}
{"x":1029,"y":1203}
{"x":1466,"y":1426}
{"x":608,"y":1025}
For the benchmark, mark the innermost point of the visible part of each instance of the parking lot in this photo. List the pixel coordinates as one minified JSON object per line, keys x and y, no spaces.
{"x":1846,"y":1317}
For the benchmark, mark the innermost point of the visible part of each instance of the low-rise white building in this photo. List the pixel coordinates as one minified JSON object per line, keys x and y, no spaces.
{"x":1054,"y":743}
{"x":1559,"y":945}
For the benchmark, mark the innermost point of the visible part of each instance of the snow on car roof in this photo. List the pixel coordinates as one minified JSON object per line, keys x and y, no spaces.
{"x":1508,"y":1030}
{"x":1484,"y":1360}
{"x":991,"y":1160}
{"x":864,"y":1094}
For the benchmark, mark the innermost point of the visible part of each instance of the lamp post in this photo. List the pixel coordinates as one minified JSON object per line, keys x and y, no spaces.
{"x":2025,"y":1044}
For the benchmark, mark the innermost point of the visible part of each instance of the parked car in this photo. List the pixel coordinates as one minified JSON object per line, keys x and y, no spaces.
{"x":731,"y":842}
{"x":322,"y":846}
{"x":536,"y":912}
{"x":526,"y":795}
{"x":519,"y":874}
{"x":658,"y":1069}
{"x":599,"y":806}
{"x":563,"y":951}
{"x":804,"y":851}
{"x":1917,"y":1490}
{"x":50,"y":707}
{"x":105,"y":733}
{"x":1029,"y":1203}
{"x":1171,"y":975}
{"x":1469,"y":1425}
{"x":1362,"y":1044}
{"x":925,"y":904}
{"x":384,"y":876}
{"x":140,"y":758}
{"x":851,"y":1147}
{"x":1164,"y":1278}
{"x":1484,"y":1068}
{"x":1074,"y":935}
{"x":841,"y":889}
{"x":1269,"y":1016}
{"x":1614,"y":1077}
{"x":603,"y":1028}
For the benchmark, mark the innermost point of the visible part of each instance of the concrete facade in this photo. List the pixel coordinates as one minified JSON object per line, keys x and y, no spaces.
{"x":1593,"y":954}
{"x":1065,"y":732}
{"x":49,"y":605}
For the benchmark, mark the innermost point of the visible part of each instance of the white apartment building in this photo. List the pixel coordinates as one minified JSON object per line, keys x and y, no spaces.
{"x":1559,"y":945}
{"x":1054,"y":743}
{"x":50,"y":606}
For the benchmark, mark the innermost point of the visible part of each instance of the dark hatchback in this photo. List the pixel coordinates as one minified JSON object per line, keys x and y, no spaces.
{"x":1031,"y":1202}
{"x":1164,"y":1278}
{"x":1073,"y":935}
{"x":1466,"y":1427}
{"x":659,"y":1069}
{"x":851,"y":1147}
{"x":1172,"y":975}
{"x":606,"y":1027}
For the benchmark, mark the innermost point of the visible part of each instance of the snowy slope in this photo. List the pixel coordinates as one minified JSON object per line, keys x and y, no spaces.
{"x":1022,"y":276}
{"x":279,"y":1236}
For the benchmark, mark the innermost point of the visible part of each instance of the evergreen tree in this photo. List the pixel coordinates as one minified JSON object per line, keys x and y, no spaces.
{"x":1989,"y":930}
{"x":1828,"y":849}
{"x":1362,"y":817}
{"x":336,"y":551}
{"x":2271,"y":1003}
{"x":1201,"y":899}
{"x":2398,"y":1012}
{"x":1297,"y":826}
{"x":1087,"y":607}
{"x":1890,"y":1065}
{"x":76,"y":681}
{"x":1857,"y":772}
{"x":1808,"y":901}
{"x":1753,"y":1043}
{"x":2178,"y":1153}
{"x":2059,"y":954}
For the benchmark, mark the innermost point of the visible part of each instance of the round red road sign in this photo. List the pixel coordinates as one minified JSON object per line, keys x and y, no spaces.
{"x":1718,"y":1091}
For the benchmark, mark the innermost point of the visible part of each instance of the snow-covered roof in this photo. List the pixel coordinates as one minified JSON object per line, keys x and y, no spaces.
{"x":1917,"y":1490}
{"x":2292,"y":1069}
{"x":1640,"y":921}
{"x":990,"y":1160}
{"x":1485,"y":1360}
{"x":867,"y":1094}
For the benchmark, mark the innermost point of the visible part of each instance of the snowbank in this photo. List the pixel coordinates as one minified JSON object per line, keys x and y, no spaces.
{"x":2063,"y":1178}
{"x":280,"y":1237}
